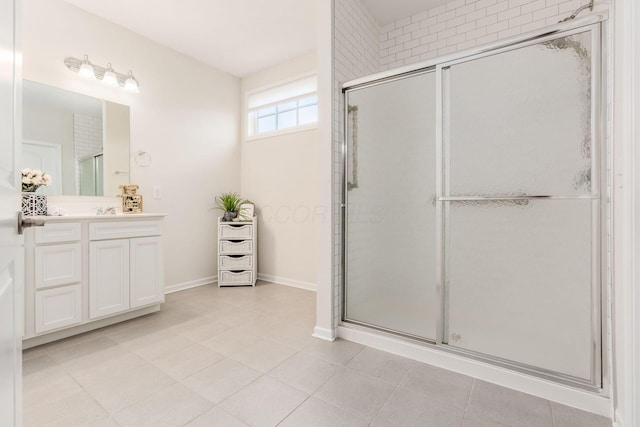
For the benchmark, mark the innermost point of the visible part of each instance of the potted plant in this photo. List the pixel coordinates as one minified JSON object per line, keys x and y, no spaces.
{"x":229,"y":203}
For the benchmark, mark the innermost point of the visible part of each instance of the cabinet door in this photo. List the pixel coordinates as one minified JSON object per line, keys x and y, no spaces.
{"x":58,"y":307}
{"x":57,"y":265}
{"x":147,"y":286}
{"x":108,"y":277}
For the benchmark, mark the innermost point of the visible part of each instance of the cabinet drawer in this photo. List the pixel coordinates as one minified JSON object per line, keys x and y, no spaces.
{"x":57,"y":265}
{"x":232,"y":278}
{"x":230,"y":247}
{"x":59,"y":307}
{"x":58,"y":232}
{"x":111,"y":229}
{"x":236,"y":262}
{"x":228,"y":231}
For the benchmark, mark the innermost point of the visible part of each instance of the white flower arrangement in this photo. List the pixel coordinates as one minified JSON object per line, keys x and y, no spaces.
{"x":32,"y":179}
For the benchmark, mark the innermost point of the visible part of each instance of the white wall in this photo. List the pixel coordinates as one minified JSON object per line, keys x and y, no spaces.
{"x":185,"y":117}
{"x":278,"y":174}
{"x":626,"y":187}
{"x":325,"y":302}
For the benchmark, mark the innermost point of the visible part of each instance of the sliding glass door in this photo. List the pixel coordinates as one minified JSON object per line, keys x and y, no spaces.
{"x":521,"y":197}
{"x":390,"y":222}
{"x":473,"y":206}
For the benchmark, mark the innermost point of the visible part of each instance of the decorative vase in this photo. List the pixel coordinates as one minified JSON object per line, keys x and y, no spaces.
{"x":229,"y":216}
{"x":34,"y":204}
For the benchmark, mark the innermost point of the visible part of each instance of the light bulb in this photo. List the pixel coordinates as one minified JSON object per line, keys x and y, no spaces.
{"x":131,"y":84}
{"x":110,"y":77}
{"x":86,"y":70}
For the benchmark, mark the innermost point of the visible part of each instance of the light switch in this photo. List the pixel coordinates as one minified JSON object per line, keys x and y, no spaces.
{"x":157,"y":193}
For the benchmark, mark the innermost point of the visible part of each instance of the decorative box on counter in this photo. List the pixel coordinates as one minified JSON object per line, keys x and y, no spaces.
{"x":131,"y":202}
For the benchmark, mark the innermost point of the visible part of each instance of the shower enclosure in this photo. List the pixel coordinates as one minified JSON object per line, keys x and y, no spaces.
{"x":90,"y":175}
{"x":474,"y":208}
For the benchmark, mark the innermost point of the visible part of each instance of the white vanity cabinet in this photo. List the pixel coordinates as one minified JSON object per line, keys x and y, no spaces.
{"x":82,"y":273}
{"x":124,"y":273}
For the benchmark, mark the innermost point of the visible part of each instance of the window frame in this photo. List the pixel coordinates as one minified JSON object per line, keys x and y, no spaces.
{"x":251,"y":114}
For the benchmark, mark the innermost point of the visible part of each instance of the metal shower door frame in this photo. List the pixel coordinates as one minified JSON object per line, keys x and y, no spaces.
{"x":601,"y":207}
{"x":599,"y":211}
{"x":344,"y":206}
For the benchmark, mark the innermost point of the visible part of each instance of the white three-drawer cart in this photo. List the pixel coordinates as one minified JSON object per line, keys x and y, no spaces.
{"x":237,"y":252}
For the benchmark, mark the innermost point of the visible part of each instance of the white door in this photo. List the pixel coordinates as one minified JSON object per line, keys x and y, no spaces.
{"x":146,"y":271}
{"x":46,"y":156}
{"x":11,"y":244}
{"x":108,"y":277}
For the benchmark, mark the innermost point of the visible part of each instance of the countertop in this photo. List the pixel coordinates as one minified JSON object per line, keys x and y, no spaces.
{"x":95,"y":217}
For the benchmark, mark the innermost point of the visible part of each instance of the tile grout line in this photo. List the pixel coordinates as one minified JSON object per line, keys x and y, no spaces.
{"x":293,"y":410}
{"x":74,"y":379}
{"x":384,"y":404}
{"x":464,"y":415}
{"x":195,"y":372}
{"x":413,"y":363}
{"x":354,"y":356}
{"x":263,"y":374}
{"x":553,"y":418}
{"x":213,"y":405}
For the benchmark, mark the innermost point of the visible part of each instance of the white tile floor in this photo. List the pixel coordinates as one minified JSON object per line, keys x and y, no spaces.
{"x":245,"y":356}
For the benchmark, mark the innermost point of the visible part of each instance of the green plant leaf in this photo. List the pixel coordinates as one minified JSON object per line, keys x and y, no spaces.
{"x":229,"y":202}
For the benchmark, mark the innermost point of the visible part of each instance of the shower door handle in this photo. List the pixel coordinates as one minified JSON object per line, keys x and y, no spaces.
{"x":522,"y":200}
{"x":499,"y":198}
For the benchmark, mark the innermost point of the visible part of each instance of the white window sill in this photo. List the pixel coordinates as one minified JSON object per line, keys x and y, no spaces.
{"x":296,"y":129}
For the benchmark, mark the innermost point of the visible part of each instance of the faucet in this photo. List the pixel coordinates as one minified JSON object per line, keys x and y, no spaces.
{"x":110,"y":211}
{"x":99,"y":211}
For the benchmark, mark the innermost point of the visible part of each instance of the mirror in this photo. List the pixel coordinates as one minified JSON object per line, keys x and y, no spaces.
{"x":82,"y":142}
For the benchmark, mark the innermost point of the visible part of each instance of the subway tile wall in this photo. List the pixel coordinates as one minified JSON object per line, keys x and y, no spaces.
{"x":363,"y":47}
{"x":87,"y":139}
{"x":465,"y":24}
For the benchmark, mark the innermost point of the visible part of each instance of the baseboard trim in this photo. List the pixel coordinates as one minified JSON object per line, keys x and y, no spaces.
{"x":266,"y":277}
{"x":324,"y":334}
{"x":90,"y":326}
{"x":191,"y":284}
{"x":287,"y":282}
{"x":527,"y":384}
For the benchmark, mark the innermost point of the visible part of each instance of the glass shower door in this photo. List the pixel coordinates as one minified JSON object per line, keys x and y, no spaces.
{"x":390,"y":218}
{"x":521,"y":205}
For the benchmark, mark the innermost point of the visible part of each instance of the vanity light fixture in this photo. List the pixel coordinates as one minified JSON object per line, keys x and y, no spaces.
{"x":86,"y":70}
{"x":131,"y":84}
{"x":108,"y":75}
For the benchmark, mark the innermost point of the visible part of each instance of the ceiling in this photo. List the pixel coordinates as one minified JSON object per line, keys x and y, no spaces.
{"x":240,"y":37}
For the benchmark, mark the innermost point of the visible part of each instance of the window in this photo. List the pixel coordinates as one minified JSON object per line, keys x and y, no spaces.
{"x":286,"y":108}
